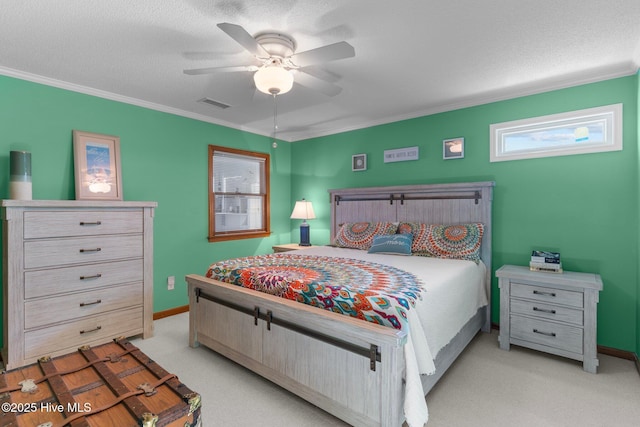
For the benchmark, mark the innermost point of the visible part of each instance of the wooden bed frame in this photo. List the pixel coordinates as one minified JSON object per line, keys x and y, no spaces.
{"x":351,"y":368}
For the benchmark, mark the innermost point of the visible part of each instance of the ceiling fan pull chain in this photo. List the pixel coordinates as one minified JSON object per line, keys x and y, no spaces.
{"x":274,"y":144}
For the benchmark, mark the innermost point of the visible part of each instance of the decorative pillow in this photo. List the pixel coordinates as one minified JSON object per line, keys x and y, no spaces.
{"x":417,"y":230}
{"x":359,"y":235}
{"x":396,"y":244}
{"x":446,"y":241}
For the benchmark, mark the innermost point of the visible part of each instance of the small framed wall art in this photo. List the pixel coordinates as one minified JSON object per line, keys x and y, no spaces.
{"x":453,"y":148}
{"x":97,"y":166}
{"x":359,"y":162}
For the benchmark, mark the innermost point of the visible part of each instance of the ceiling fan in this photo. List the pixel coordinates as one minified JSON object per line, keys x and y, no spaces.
{"x":277,"y":61}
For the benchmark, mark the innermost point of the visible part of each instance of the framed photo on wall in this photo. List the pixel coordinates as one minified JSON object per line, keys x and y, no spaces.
{"x":359,"y":162}
{"x":97,"y":166}
{"x":453,"y":148}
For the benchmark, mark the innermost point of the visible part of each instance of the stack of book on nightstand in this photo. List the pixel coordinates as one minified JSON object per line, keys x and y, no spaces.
{"x":545,"y":261}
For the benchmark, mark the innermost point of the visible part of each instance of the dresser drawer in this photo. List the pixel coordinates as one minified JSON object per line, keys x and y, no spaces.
{"x":39,"y":312}
{"x":39,"y":283}
{"x":59,"y":338}
{"x":550,"y":295}
{"x":547,"y":311}
{"x":77,"y":250}
{"x":563,"y":337}
{"x":71,"y":223}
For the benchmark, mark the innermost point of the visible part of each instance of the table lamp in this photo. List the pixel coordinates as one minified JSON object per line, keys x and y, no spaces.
{"x":303,"y":210}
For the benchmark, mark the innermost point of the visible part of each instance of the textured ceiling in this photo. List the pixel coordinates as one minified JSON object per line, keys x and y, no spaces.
{"x":412,"y":57}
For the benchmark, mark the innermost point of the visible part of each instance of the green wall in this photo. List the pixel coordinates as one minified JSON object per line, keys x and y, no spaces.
{"x":164,"y":159}
{"x":583,"y":206}
{"x":637,"y":91}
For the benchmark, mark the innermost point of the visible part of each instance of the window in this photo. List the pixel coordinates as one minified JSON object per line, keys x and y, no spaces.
{"x":585,"y":131}
{"x":238,"y":194}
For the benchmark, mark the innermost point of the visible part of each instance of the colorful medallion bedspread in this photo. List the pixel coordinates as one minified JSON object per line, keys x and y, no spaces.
{"x":373,"y":292}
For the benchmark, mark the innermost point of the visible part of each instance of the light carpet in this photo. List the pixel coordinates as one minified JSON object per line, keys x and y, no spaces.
{"x":486,"y":386}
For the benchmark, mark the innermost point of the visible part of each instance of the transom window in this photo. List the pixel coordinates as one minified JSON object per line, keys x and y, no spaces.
{"x":584,"y":131}
{"x":238,"y":194}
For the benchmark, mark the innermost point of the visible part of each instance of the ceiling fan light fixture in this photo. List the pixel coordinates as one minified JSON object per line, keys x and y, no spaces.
{"x":273,"y":80}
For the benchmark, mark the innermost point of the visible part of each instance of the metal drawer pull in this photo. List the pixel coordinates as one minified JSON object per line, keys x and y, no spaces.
{"x":90,"y":223}
{"x":90,"y":330}
{"x":95,"y":276}
{"x":84,"y":304}
{"x":544,"y":310}
{"x":549,"y":334}
{"x":549,"y":294}
{"x":90,"y":250}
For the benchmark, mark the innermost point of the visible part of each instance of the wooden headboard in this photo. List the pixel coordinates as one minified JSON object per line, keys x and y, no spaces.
{"x":455,"y":203}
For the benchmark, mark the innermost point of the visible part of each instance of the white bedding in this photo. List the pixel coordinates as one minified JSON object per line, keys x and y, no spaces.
{"x":453,"y":292}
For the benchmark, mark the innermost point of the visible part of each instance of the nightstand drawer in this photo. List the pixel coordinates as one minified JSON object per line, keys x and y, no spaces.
{"x":549,"y":295}
{"x":563,"y":337}
{"x":547,"y":311}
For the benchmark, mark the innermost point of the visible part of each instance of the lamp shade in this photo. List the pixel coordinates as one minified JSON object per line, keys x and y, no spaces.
{"x":273,"y":80}
{"x":303,"y":210}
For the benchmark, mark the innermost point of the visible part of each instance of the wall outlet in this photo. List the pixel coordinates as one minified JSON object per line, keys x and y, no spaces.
{"x":171,"y":283}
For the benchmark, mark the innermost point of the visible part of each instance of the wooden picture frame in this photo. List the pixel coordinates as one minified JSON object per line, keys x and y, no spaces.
{"x":453,"y":148}
{"x":359,"y":162}
{"x":97,"y":166}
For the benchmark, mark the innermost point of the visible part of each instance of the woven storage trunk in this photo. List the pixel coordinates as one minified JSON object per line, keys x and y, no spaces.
{"x":111,"y":385}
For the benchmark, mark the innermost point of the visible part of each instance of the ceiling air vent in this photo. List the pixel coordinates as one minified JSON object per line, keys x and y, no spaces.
{"x":214,"y":103}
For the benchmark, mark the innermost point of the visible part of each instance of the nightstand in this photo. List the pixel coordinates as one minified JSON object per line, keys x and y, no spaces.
{"x":551,"y":312}
{"x":288,"y":247}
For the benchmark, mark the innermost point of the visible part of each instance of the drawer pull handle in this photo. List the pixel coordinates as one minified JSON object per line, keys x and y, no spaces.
{"x":549,"y":294}
{"x":90,"y":250}
{"x":544,"y":310}
{"x":549,"y":334}
{"x":90,"y":330}
{"x":84,"y":304}
{"x":95,"y":276}
{"x":83,"y":223}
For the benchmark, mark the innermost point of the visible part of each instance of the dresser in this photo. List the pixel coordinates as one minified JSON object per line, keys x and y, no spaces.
{"x":74,"y":273}
{"x":551,"y":312}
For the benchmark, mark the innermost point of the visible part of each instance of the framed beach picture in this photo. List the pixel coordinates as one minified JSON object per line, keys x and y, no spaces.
{"x":97,"y":166}
{"x":453,"y":148}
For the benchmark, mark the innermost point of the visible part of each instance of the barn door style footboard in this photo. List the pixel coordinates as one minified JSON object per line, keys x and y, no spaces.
{"x":350,"y":368}
{"x":371,"y":352}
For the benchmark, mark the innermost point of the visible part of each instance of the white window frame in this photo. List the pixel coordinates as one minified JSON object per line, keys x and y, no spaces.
{"x":536,"y":129}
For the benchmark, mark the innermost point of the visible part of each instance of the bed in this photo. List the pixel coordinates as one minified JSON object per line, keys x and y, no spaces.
{"x":364,"y":373}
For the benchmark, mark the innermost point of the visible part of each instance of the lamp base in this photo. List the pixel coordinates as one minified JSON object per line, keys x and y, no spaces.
{"x":20,"y":190}
{"x":304,"y":234}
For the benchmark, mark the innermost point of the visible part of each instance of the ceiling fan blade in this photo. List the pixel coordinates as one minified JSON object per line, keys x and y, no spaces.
{"x":323,"y":54}
{"x":210,"y":70}
{"x":245,"y":39}
{"x":311,"y":82}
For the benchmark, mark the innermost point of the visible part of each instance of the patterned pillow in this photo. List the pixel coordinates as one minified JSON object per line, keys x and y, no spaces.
{"x":417,"y":229}
{"x":461,"y":241}
{"x":396,"y":244}
{"x":359,"y":235}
